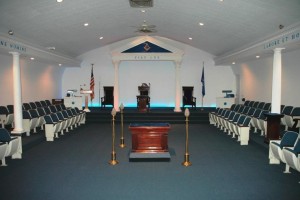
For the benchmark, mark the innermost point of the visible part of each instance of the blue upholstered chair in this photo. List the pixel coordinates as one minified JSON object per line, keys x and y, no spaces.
{"x":286,"y":111}
{"x":6,"y":117}
{"x":243,"y":130}
{"x":12,"y":146}
{"x":292,"y":156}
{"x":30,"y":119}
{"x":292,"y":120}
{"x":275,"y":147}
{"x":48,"y":102}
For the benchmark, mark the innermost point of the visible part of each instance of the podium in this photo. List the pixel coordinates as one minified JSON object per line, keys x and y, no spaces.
{"x":86,"y":93}
{"x":143,"y":100}
{"x":273,"y":127}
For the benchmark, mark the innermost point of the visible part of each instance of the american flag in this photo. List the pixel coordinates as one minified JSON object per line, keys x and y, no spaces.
{"x":92,"y":85}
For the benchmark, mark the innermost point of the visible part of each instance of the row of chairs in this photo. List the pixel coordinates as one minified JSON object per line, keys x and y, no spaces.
{"x":7,"y":112}
{"x":232,"y":122}
{"x":291,"y":113}
{"x":286,"y":150}
{"x":36,"y":104}
{"x":257,"y":115}
{"x":56,"y":118}
{"x":258,"y":104}
{"x":61,"y":119}
{"x":10,"y":146}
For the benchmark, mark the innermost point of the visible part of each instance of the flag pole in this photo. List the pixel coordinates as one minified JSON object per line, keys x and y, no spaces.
{"x":93,"y":75}
{"x":203,"y":86}
{"x":99,"y":95}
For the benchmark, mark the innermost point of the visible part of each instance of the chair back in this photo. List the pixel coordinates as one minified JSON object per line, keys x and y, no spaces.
{"x":289,"y":138}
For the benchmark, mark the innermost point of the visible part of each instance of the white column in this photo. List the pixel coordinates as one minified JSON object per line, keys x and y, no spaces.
{"x":116,"y":86}
{"x":178,"y":91}
{"x":276,"y":84}
{"x":18,"y":117}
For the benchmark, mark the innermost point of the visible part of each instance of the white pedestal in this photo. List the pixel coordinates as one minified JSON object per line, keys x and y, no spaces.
{"x":72,"y":102}
{"x":223,"y":102}
{"x":86,"y":93}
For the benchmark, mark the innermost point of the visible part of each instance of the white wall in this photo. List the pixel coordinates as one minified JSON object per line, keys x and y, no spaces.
{"x":160,"y":74}
{"x":39,"y":81}
{"x":256,"y":78}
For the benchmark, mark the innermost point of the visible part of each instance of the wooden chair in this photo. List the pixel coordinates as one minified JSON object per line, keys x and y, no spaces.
{"x":188,"y":98}
{"x":108,"y":98}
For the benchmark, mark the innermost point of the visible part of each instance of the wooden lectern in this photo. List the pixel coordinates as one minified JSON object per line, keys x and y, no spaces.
{"x":143,"y":100}
{"x":86,"y":93}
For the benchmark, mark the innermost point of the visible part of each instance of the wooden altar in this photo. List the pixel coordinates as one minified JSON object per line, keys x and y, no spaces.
{"x":149,"y":140}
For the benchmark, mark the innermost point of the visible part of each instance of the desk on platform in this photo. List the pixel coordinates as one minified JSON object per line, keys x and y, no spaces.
{"x":149,"y":140}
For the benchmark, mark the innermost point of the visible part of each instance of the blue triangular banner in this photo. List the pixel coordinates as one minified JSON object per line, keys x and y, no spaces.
{"x":146,"y":47}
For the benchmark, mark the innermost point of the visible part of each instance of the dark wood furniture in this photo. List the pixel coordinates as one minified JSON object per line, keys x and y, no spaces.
{"x":143,"y":100}
{"x":108,"y":98}
{"x":149,"y":137}
{"x":57,"y":101}
{"x":188,"y":98}
{"x":273,"y":126}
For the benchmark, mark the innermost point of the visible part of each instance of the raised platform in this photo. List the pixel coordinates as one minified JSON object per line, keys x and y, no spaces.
{"x":132,"y":115}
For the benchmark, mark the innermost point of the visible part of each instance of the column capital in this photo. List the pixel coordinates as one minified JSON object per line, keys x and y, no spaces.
{"x":14,"y":53}
{"x":276,"y":50}
{"x":116,"y":62}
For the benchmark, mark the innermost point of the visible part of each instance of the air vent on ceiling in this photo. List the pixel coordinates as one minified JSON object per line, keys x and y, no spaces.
{"x":141,"y":3}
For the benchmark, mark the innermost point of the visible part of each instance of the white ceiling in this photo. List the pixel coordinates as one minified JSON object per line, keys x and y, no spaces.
{"x":228,"y":25}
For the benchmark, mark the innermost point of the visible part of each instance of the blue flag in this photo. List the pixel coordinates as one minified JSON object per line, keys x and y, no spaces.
{"x":203,"y":82}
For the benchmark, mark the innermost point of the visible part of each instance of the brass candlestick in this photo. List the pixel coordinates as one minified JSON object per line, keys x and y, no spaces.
{"x":113,"y":160}
{"x":122,"y":140}
{"x":186,"y":161}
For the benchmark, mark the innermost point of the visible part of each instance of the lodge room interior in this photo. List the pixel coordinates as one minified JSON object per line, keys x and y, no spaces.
{"x":149,"y":99}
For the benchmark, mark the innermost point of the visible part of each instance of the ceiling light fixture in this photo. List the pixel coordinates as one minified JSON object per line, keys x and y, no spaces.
{"x":86,"y":24}
{"x":143,"y":11}
{"x":10,"y":32}
{"x":233,"y":63}
{"x":32,"y":58}
{"x":201,"y":24}
{"x":59,"y":64}
{"x":59,"y":1}
{"x":257,"y":56}
{"x":100,"y":38}
{"x":190,"y":38}
{"x":51,"y":48}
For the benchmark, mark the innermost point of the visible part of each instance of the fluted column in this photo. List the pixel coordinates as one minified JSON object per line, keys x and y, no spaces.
{"x":116,"y":86}
{"x":276,"y":84}
{"x":18,"y":117}
{"x":177,"y":87}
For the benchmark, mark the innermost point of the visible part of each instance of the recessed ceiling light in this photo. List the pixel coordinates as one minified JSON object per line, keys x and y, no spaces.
{"x":143,"y":11}
{"x":190,"y":38}
{"x":233,"y":63}
{"x":51,"y":48}
{"x":257,"y":56}
{"x":201,"y":24}
{"x":100,"y":38}
{"x":86,"y":24}
{"x":59,"y":1}
{"x":59,"y":64}
{"x":32,"y":58}
{"x":221,"y":0}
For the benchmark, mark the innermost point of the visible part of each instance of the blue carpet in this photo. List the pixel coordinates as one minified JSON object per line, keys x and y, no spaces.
{"x":75,"y":166}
